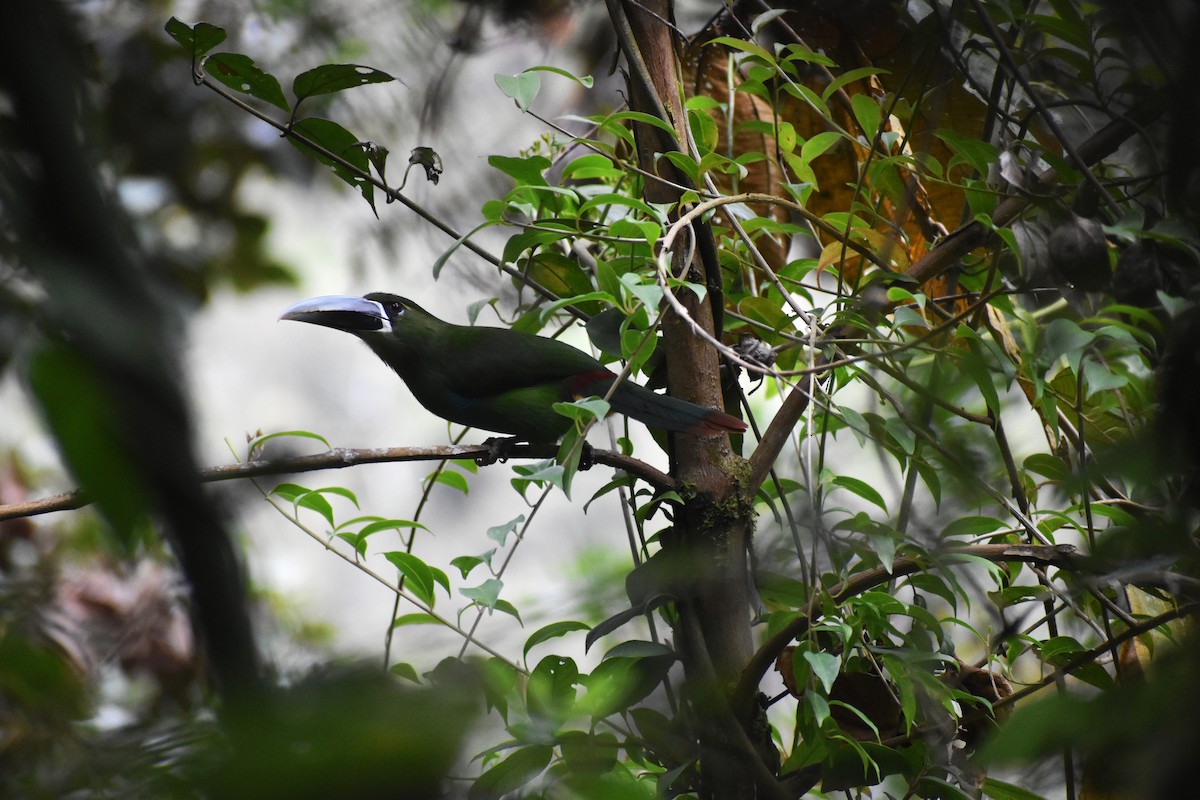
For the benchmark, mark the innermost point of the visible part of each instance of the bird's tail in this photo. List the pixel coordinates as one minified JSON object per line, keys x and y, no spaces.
{"x":670,"y":413}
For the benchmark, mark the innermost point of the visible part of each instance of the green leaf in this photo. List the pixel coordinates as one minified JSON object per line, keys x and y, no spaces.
{"x":315,"y":502}
{"x":765,"y":17}
{"x":749,"y":48}
{"x":640,"y":648}
{"x":971,"y":527}
{"x":522,"y":88}
{"x":684,"y":163}
{"x":341,"y":492}
{"x":301,"y":497}
{"x":420,"y":618}
{"x":329,"y":78}
{"x":594,"y":754}
{"x":999,"y":790}
{"x":418,"y":575}
{"x":239,"y":73}
{"x":975,"y":364}
{"x":592,"y":166}
{"x":1060,"y":650}
{"x":258,"y":441}
{"x":797,"y":52}
{"x":857,"y":423}
{"x":606,"y":201}
{"x":440,"y":263}
{"x":79,"y":410}
{"x":465,"y":564}
{"x":617,"y":683}
{"x":860,"y":488}
{"x":499,"y":533}
{"x":404,"y":670}
{"x":1063,"y":337}
{"x":942,"y":789}
{"x":647,"y":229}
{"x":508,"y":608}
{"x":818,"y":144}
{"x":976,"y":153}
{"x":819,"y":706}
{"x":1013,"y":595}
{"x":389,"y":525}
{"x":867,"y":113}
{"x":640,"y":117}
{"x":340,"y":142}
{"x":825,"y":667}
{"x":576,"y":300}
{"x":648,"y":293}
{"x":586,"y":81}
{"x":525,"y":171}
{"x":848,"y":77}
{"x":196,"y":41}
{"x":512,"y":773}
{"x":550,"y":691}
{"x":552,"y":631}
{"x":485,"y":594}
{"x":1048,"y":466}
{"x":584,"y":410}
{"x":452,"y":478}
{"x":933,"y":584}
{"x":542,"y":472}
{"x":290,"y":491}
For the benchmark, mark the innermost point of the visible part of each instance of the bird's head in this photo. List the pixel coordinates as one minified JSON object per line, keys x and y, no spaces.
{"x":376,"y":313}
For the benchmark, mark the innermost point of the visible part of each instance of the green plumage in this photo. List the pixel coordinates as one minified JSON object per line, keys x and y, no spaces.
{"x":494,"y":378}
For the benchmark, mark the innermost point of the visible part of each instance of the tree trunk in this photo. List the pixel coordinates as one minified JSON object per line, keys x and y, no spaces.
{"x":713,"y":524}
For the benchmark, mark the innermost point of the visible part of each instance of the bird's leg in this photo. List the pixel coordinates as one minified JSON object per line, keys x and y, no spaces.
{"x":499,"y":449}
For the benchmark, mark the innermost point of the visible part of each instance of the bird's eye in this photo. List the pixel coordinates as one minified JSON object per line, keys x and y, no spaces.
{"x":397,"y":308}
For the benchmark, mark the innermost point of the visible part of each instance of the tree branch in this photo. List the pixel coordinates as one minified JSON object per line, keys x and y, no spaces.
{"x":341,"y":457}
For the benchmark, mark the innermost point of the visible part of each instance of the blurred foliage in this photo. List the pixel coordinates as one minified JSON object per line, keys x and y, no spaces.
{"x":1023,"y":523}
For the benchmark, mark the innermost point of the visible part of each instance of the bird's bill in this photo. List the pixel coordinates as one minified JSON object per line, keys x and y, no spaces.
{"x":353,"y":314}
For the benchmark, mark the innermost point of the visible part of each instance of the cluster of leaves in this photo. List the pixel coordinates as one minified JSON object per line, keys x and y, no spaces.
{"x":350,"y":158}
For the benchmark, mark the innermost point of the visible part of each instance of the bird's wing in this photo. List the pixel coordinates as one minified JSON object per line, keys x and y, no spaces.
{"x":493,"y":361}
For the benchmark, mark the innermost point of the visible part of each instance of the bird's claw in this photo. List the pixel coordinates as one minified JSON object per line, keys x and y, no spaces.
{"x":499,"y":448}
{"x":586,"y":459}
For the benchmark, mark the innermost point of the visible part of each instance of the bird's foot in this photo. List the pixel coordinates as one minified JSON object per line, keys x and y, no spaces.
{"x":499,"y":449}
{"x":586,"y":459}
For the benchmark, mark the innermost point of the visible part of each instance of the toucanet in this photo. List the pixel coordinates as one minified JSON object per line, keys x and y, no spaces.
{"x":497,"y":379}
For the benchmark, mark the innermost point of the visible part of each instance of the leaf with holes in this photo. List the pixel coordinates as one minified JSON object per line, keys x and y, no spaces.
{"x":329,"y":78}
{"x":196,"y":41}
{"x":239,"y":73}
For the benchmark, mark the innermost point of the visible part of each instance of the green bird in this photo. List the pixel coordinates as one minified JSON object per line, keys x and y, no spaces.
{"x":493,"y":378}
